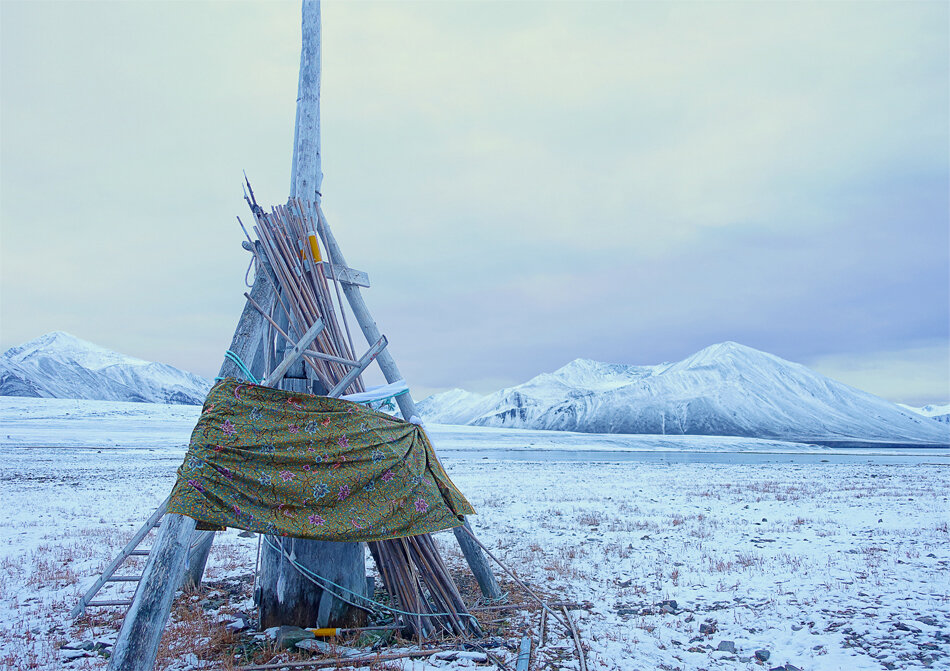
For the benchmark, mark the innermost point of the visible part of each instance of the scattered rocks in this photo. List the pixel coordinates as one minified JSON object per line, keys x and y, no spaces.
{"x":454,"y":655}
{"x":240,"y":623}
{"x":192,"y":662}
{"x":288,"y":636}
{"x":762,"y":655}
{"x":313,"y":644}
{"x":669,"y":606}
{"x":213,"y":604}
{"x":707,"y":628}
{"x":727,"y":646}
{"x":928,"y":620}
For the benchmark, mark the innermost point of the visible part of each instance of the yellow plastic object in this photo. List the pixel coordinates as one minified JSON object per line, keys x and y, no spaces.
{"x":325,"y":631}
{"x":314,"y":247}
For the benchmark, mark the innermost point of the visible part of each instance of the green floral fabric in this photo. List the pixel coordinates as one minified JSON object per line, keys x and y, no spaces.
{"x":290,"y":464}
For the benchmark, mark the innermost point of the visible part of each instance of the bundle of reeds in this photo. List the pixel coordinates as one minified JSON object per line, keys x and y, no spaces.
{"x":412,"y":571}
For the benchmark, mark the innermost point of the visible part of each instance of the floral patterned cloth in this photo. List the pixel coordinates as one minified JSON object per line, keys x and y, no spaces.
{"x":291,"y":464}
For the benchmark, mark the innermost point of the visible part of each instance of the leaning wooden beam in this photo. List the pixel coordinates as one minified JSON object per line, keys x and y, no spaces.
{"x":137,"y":644}
{"x":477,"y":562}
{"x":293,"y":355}
{"x":473,"y":554}
{"x":361,"y":365}
{"x":577,"y":639}
{"x":345,"y":275}
{"x":329,"y":357}
{"x":365,"y":660}
{"x":201,"y":542}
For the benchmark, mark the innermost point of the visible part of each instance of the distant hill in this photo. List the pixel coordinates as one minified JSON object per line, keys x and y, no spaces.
{"x":940,"y":413}
{"x":59,"y":365}
{"x":726,"y":389}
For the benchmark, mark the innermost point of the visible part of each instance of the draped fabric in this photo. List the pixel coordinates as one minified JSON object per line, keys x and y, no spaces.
{"x":291,"y":464}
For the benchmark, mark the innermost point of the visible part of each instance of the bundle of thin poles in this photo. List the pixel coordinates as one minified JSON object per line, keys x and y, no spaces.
{"x":412,"y":571}
{"x":291,"y":255}
{"x":416,"y":577}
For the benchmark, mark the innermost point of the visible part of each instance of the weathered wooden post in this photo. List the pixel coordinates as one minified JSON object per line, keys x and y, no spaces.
{"x":287,"y":596}
{"x":137,"y":644}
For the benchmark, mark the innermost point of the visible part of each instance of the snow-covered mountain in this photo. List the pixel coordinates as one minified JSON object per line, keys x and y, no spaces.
{"x":59,"y":365}
{"x":726,"y":389}
{"x":941,"y":413}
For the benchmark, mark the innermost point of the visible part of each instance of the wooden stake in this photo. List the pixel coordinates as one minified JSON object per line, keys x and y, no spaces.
{"x":577,"y":639}
{"x":524,"y":654}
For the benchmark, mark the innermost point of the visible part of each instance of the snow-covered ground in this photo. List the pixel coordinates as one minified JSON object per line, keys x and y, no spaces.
{"x":46,"y":422}
{"x":826,"y":565}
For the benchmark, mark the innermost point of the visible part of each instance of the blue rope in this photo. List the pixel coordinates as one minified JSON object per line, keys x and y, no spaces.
{"x":234,"y":358}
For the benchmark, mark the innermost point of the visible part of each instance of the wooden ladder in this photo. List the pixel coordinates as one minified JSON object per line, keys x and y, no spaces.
{"x":130,"y":550}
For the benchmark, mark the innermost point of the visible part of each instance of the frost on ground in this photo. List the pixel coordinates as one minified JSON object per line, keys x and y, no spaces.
{"x":685,"y":565}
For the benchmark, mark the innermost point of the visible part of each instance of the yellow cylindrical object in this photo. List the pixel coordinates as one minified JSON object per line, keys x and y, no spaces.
{"x":314,"y":247}
{"x":326,"y":631}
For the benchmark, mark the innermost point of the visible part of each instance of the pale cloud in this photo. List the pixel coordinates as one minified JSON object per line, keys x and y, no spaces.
{"x":526,"y":183}
{"x":916,"y":376}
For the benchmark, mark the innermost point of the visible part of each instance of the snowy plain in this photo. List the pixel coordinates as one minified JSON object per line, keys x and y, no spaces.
{"x":827,"y":559}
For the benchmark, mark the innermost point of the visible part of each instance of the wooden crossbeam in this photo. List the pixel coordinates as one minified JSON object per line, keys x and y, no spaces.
{"x":293,"y":355}
{"x":359,"y":278}
{"x":329,"y":357}
{"x":361,"y":365}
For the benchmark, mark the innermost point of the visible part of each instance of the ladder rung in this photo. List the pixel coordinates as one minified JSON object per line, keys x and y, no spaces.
{"x":110,"y":603}
{"x":124,"y":578}
{"x":140,"y":553}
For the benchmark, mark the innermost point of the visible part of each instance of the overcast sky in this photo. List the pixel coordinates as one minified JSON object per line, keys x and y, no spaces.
{"x":526,"y":183}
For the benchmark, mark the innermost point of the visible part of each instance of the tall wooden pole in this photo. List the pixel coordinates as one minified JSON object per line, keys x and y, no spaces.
{"x":287,"y":596}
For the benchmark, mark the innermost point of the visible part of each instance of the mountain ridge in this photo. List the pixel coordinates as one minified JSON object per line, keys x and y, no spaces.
{"x":724,"y":389}
{"x":60,"y":365}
